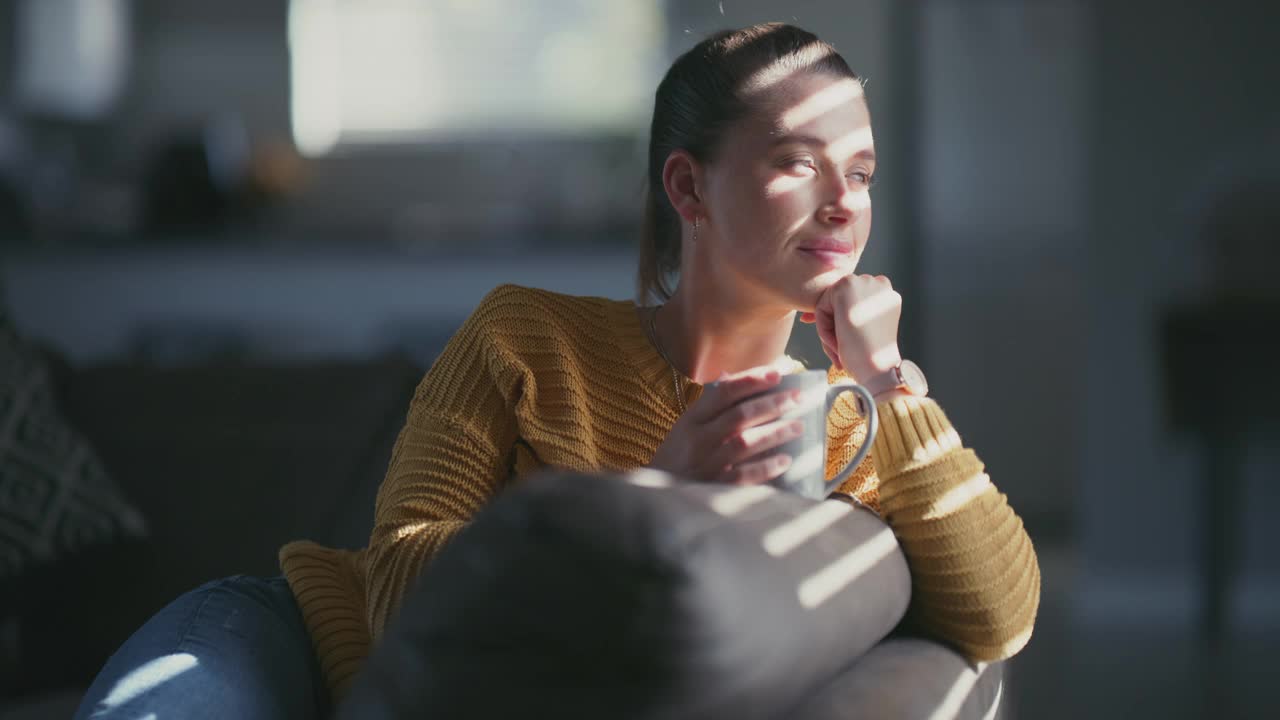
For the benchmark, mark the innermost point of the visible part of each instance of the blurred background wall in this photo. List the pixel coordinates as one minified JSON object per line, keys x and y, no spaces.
{"x":289,"y":181}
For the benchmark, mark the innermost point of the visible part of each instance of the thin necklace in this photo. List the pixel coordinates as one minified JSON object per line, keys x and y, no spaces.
{"x":657,"y":344}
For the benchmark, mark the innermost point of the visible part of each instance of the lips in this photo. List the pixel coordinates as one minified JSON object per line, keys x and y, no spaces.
{"x":829,"y":251}
{"x":828,"y":245}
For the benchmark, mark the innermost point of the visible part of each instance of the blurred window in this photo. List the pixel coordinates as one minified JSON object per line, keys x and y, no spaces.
{"x":71,"y":56}
{"x":372,"y":71}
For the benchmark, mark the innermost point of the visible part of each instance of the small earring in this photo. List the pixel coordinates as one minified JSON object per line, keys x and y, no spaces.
{"x":695,"y":231}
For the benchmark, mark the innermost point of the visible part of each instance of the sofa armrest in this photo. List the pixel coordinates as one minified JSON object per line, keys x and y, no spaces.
{"x":905,"y":677}
{"x":637,"y":596}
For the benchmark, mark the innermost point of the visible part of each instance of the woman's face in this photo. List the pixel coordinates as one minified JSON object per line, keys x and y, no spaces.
{"x":786,"y":201}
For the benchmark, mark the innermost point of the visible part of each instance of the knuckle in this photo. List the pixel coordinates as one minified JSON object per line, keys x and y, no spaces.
{"x":732,"y":475}
{"x":779,"y":465}
{"x":763,"y":406}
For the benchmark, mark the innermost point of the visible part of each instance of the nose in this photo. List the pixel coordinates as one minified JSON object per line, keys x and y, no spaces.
{"x":844,"y":203}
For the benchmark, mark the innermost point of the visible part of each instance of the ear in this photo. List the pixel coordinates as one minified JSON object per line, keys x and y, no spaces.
{"x":682,"y":180}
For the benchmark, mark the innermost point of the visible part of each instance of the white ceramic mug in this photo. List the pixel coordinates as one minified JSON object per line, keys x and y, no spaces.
{"x":808,"y":451}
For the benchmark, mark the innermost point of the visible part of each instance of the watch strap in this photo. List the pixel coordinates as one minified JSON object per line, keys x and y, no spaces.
{"x":890,"y":379}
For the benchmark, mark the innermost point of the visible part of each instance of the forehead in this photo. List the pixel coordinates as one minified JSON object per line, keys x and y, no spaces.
{"x":817,"y":106}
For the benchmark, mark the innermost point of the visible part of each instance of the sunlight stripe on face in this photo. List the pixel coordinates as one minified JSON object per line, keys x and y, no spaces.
{"x":734,"y":501}
{"x":819,"y":587}
{"x":791,"y":535}
{"x":822,"y":102}
{"x":851,"y":144}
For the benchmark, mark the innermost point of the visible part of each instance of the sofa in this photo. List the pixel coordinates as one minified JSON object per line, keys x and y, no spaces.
{"x":638,"y":596}
{"x":227,"y":461}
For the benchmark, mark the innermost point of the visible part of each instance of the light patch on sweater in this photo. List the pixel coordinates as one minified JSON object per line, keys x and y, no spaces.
{"x":795,"y":532}
{"x":822,"y":585}
{"x":958,"y":496}
{"x":408,"y":531}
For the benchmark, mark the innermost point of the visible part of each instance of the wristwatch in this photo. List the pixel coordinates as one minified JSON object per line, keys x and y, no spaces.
{"x":907,"y":376}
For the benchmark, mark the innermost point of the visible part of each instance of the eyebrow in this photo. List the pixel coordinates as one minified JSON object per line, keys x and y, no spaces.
{"x":802,"y":139}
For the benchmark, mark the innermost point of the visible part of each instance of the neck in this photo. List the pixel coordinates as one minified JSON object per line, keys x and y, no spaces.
{"x":708,"y":333}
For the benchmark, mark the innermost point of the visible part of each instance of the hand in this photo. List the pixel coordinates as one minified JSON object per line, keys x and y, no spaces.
{"x":726,"y":437}
{"x":857,"y":321}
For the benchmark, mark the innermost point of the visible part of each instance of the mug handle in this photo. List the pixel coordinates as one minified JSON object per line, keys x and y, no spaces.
{"x":867,"y":408}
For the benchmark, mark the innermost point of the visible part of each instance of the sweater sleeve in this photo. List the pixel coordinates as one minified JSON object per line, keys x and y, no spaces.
{"x":450,"y":458}
{"x":975,"y":577}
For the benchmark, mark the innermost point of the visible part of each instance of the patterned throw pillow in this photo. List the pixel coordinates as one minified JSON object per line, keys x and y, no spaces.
{"x":55,"y":497}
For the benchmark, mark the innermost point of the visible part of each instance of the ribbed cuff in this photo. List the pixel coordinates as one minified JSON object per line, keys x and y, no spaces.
{"x":913,"y":431}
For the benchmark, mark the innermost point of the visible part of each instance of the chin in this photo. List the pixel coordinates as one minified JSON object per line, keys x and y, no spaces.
{"x":820,"y":283}
{"x":806,"y":299}
{"x":802,"y":291}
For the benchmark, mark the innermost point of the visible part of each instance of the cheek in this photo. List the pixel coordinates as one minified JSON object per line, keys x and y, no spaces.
{"x":756,"y":215}
{"x":789,"y":210}
{"x":862,"y":226}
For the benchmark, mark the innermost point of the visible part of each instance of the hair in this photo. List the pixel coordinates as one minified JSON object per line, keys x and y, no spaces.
{"x":705,"y":91}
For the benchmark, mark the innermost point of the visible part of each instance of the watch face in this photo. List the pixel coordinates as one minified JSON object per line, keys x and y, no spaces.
{"x":913,"y":376}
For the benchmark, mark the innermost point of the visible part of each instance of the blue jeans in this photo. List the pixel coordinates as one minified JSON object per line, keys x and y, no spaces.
{"x":232,"y":648}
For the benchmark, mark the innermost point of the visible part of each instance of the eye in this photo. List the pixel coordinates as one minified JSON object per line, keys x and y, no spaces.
{"x":863,"y":178}
{"x":799,"y":163}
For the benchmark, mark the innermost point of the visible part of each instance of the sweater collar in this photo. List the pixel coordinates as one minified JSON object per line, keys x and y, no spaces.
{"x":651,"y":370}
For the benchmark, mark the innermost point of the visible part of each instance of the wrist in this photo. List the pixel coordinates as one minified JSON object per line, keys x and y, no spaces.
{"x":871,"y":367}
{"x":891,"y":395}
{"x":904,"y":379}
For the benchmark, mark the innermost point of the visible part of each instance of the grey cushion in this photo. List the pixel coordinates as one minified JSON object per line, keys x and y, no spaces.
{"x":635,"y":596}
{"x":907,"y":679}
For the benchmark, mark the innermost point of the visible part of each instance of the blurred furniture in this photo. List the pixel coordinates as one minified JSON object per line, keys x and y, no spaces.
{"x":226,"y":462}
{"x":1220,"y":382}
{"x":1219,"y":355}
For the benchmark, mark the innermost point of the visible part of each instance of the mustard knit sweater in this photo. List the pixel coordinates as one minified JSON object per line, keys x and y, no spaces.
{"x":534,"y":379}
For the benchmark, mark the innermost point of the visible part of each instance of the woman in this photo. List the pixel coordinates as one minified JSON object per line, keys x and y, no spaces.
{"x":760,"y":163}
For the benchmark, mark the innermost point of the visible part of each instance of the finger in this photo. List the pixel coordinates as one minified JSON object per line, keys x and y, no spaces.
{"x":807,"y":318}
{"x":757,"y":472}
{"x":730,"y":389}
{"x":827,"y":331}
{"x":832,"y":353}
{"x":826,"y":328}
{"x":829,"y":339}
{"x":752,"y":412}
{"x":755,"y":441}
